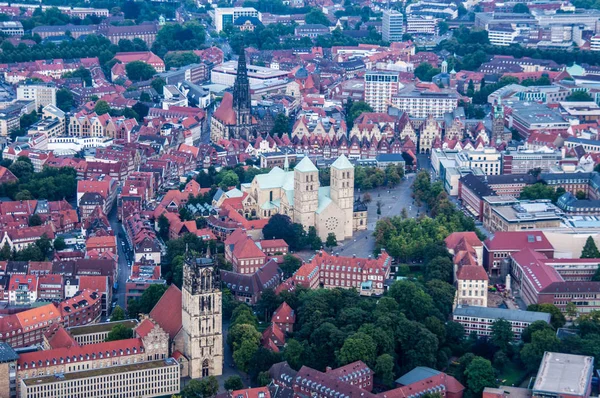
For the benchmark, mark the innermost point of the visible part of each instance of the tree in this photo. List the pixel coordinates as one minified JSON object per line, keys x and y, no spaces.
{"x":316,"y":16}
{"x":233,"y":383}
{"x":158,"y":84}
{"x":413,"y":301}
{"x":243,"y":355}
{"x":101,"y":107}
{"x":580,"y":195}
{"x":384,"y":369}
{"x":358,"y":347}
{"x":577,"y":96}
{"x":293,"y":353}
{"x":117,"y":314}
{"x":64,"y":100}
{"x":205,"y":388}
{"x":439,"y":268}
{"x":35,"y":220}
{"x":532,"y":328}
{"x":290,"y":265}
{"x":557,"y":319}
{"x":139,"y":71}
{"x":366,"y":198}
{"x":355,"y":110}
{"x":479,"y":375}
{"x":280,"y":226}
{"x":264,"y":378}
{"x":442,"y":294}
{"x":267,"y":303}
{"x":571,"y":310}
{"x":281,"y":125}
{"x":590,"y":250}
{"x":146,"y":302}
{"x":119,"y":332}
{"x":541,"y":341}
{"x":163,"y":227}
{"x":521,"y":8}
{"x":228,"y":179}
{"x":59,"y":243}
{"x":502,"y":334}
{"x":331,"y":240}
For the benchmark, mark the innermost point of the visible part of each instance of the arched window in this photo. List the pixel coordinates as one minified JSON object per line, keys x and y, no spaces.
{"x":205,"y":368}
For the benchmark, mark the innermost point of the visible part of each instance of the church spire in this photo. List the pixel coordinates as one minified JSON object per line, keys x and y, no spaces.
{"x":286,"y":163}
{"x":241,"y":87}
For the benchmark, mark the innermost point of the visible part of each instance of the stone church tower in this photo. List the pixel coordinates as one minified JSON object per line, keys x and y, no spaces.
{"x":306,"y":192}
{"x":497,"y":123}
{"x":202,"y":318}
{"x":342,"y":190}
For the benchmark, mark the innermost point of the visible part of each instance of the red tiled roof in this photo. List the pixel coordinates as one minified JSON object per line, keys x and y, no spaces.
{"x":284,"y":314}
{"x":252,"y":393}
{"x":273,"y":243}
{"x":167,"y":312}
{"x":95,"y":283}
{"x":517,"y":240}
{"x":225,"y":112}
{"x":247,"y":249}
{"x":449,"y":383}
{"x":44,"y":358}
{"x":540,"y":275}
{"x":144,"y":328}
{"x":455,"y":237}
{"x":472,"y":272}
{"x":58,"y":337}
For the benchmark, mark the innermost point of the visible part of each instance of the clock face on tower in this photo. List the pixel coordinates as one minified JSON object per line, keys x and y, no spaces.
{"x":331,"y":223}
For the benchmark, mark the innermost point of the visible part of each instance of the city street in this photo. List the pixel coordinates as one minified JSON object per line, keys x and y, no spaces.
{"x":123,"y":269}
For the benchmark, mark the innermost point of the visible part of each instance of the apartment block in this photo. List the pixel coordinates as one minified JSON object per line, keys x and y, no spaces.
{"x":379,"y":89}
{"x":42,"y":94}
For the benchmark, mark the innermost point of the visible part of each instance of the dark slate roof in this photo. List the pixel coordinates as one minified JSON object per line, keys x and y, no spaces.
{"x":512,"y":179}
{"x":7,"y":354}
{"x":477,"y":185}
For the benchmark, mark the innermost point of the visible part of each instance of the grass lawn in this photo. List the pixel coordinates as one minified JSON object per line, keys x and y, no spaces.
{"x":512,"y":375}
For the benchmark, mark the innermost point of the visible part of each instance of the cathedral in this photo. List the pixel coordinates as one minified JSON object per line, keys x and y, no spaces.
{"x":233,"y":118}
{"x":299,"y":195}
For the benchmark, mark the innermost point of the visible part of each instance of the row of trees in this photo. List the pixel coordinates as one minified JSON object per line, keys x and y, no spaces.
{"x":228,"y":176}
{"x":473,"y":48}
{"x":51,"y":183}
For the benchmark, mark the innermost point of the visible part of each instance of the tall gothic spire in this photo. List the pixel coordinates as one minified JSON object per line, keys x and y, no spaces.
{"x":241,"y":87}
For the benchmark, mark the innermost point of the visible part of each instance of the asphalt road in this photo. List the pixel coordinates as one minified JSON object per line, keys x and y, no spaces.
{"x":123,"y":271}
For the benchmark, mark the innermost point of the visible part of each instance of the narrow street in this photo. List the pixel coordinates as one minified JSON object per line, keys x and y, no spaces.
{"x":123,"y":270}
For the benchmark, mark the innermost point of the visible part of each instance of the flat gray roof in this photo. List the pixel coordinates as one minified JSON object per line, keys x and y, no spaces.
{"x":564,"y":374}
{"x":504,"y":313}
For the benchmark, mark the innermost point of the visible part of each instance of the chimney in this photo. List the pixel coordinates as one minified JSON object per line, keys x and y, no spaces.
{"x":337,"y":254}
{"x":354,"y":256}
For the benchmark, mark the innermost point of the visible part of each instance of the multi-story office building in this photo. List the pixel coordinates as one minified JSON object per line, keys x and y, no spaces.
{"x":12,"y":28}
{"x":42,"y":94}
{"x":481,"y":319}
{"x":421,"y":104}
{"x":502,"y":35}
{"x":379,"y":89}
{"x":227,"y":15}
{"x":144,"y":379}
{"x":422,"y":25}
{"x":487,"y":160}
{"x":521,"y":162}
{"x":392,"y":25}
{"x":226,"y":74}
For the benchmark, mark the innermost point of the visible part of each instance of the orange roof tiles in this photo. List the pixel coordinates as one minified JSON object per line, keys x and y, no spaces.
{"x":167,"y":312}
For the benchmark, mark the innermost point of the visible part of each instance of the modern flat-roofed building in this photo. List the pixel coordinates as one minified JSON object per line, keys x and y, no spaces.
{"x":144,"y":379}
{"x":12,"y":28}
{"x":481,"y":319}
{"x":521,"y":162}
{"x":42,"y":94}
{"x":227,"y":15}
{"x":226,"y":73}
{"x":379,"y":89}
{"x":422,"y":25}
{"x":508,"y":214}
{"x":529,"y":117}
{"x":392,"y":25}
{"x":564,"y":376}
{"x":421,"y":104}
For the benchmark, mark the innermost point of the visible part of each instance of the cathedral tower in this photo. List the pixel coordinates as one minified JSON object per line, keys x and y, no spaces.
{"x":202,"y":318}
{"x":306,"y":192}
{"x":342,"y":191}
{"x":241,"y":98}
